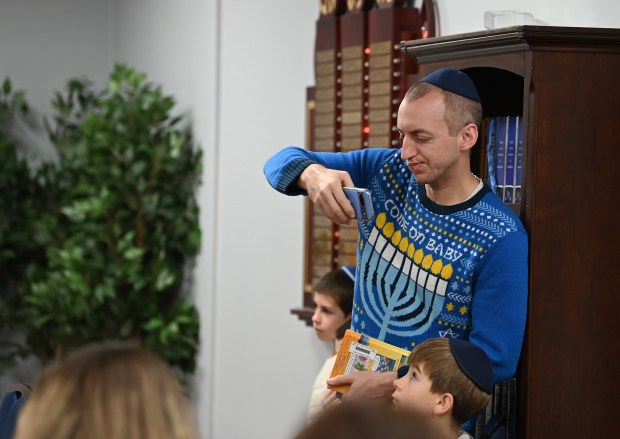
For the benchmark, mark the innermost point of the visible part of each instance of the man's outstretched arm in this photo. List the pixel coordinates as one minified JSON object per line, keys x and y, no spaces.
{"x":294,"y":171}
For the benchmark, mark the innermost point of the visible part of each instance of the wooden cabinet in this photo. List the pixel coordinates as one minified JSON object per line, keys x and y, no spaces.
{"x":565,"y":82}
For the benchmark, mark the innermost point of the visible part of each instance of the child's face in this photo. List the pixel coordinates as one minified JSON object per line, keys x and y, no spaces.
{"x":413,"y":392}
{"x":327,"y":317}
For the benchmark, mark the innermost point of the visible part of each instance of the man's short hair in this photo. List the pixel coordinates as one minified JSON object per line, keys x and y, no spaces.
{"x":459,"y":111}
{"x":338,"y":285}
{"x":435,"y":359}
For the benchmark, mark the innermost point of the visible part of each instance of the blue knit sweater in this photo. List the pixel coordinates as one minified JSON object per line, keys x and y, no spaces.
{"x":425,"y":270}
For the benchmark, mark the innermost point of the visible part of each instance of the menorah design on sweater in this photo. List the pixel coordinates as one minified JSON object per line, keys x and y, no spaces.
{"x":411,"y":284}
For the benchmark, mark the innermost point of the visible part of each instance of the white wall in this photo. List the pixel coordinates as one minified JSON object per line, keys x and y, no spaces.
{"x":239,"y":71}
{"x":42,"y":45}
{"x":458,"y":16}
{"x":265,"y":65}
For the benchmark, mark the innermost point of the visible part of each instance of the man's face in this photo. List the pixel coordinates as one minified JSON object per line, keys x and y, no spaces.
{"x":427,"y":147}
{"x":327,"y":317}
{"x":413,"y":392}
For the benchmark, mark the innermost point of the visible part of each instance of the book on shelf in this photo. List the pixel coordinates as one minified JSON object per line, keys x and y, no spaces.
{"x":518,"y":161}
{"x":511,"y":409}
{"x":490,"y":142}
{"x":483,"y":419}
{"x":505,"y":400}
{"x":511,"y":149}
{"x":500,"y":155}
{"x":360,"y":353}
{"x":497,"y":400}
{"x":499,"y":417}
{"x":505,"y":156}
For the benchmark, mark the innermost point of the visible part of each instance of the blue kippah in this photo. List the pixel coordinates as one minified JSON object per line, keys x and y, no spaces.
{"x":454,"y":81}
{"x":350,"y":270}
{"x":474,"y":363}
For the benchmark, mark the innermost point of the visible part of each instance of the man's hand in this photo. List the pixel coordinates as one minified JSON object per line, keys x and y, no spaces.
{"x":366,"y":385}
{"x":324,"y":187}
{"x":330,"y":399}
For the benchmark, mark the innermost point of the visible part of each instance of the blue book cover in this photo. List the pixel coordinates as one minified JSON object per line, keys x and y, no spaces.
{"x":511,"y":151}
{"x":491,"y":169}
{"x":500,"y":154}
{"x":519,"y":160}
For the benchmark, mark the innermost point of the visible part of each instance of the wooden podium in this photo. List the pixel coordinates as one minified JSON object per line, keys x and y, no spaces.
{"x":565,"y":83}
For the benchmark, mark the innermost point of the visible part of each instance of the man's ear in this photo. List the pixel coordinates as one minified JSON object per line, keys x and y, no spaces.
{"x":444,"y":404}
{"x":468,"y":137}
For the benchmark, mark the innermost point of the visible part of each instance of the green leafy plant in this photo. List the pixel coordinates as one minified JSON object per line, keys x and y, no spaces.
{"x":18,"y":207}
{"x":118,"y":223}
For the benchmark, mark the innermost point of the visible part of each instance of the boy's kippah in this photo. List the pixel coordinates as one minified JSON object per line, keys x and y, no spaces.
{"x":350,"y":270}
{"x":454,"y":81}
{"x":474,"y":363}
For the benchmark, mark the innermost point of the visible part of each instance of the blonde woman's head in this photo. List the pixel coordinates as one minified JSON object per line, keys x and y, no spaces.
{"x":107,"y":391}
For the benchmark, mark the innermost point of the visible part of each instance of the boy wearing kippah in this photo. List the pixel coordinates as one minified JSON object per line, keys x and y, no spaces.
{"x":449,"y":381}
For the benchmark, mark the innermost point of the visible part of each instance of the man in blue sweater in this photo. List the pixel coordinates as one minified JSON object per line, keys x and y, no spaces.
{"x":444,"y":256}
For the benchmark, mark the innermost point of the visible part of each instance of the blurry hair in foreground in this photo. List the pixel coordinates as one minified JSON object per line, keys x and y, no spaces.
{"x":107,"y":391}
{"x":366,"y":421}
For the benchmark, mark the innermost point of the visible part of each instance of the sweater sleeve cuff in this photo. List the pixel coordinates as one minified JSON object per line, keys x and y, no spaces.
{"x":286,"y":183}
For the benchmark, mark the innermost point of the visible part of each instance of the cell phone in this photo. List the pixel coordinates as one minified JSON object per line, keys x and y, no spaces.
{"x":361,"y":200}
